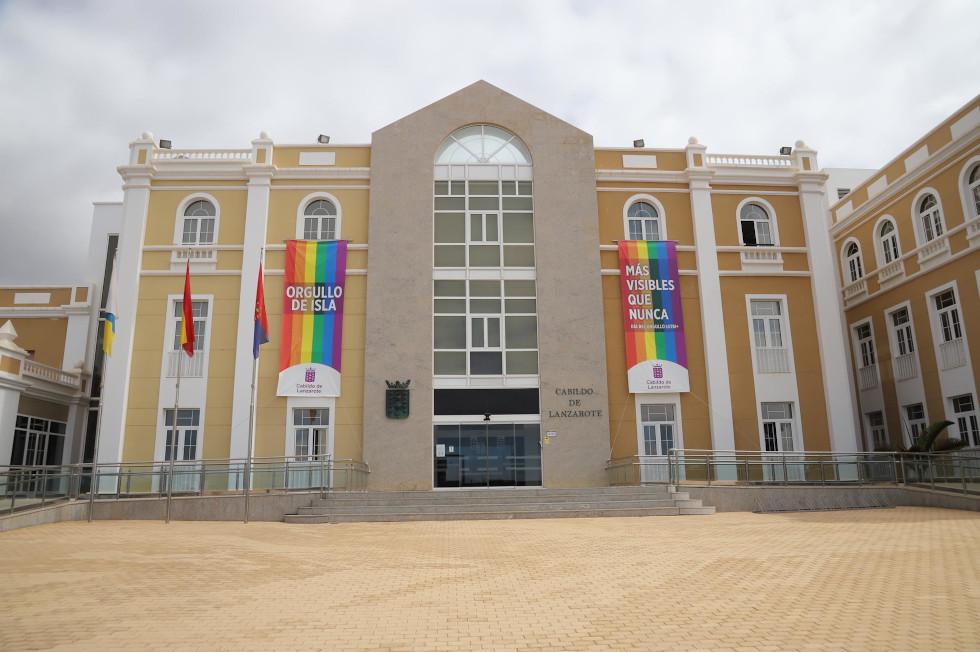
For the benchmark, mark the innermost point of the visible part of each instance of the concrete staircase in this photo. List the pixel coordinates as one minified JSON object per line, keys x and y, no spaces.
{"x":482,"y":504}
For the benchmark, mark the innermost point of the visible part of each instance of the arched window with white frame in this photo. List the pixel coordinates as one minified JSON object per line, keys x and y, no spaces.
{"x":320,"y":220}
{"x":199,"y":223}
{"x":852,"y":261}
{"x":318,"y":217}
{"x":757,"y":225}
{"x":644,"y":219}
{"x":972,"y":192}
{"x":887,"y":241}
{"x":929,"y":217}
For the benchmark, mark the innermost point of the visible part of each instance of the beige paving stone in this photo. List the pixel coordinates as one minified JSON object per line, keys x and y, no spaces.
{"x":899,"y":579}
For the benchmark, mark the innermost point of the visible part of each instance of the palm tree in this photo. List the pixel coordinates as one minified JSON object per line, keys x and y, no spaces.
{"x":932,"y":439}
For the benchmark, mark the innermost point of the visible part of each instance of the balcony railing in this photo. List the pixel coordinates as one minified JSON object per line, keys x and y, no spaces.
{"x":761,"y":254}
{"x":59,"y":376}
{"x":202,"y":155}
{"x":740,"y":160}
{"x":856,"y":288}
{"x":868,"y":377}
{"x":934,"y":248}
{"x":952,"y":354}
{"x":190,"y":367}
{"x":890,"y":271}
{"x":195,"y":253}
{"x":906,"y":367}
{"x":772,"y":360}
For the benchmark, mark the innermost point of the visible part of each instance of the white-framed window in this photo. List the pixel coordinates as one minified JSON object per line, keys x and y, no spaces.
{"x":904,"y":341}
{"x":487,"y":224}
{"x":311,"y":434}
{"x":948,"y":314}
{"x":929,"y":217}
{"x":659,"y":425}
{"x":971,"y":190}
{"x":198,"y":223}
{"x":37,"y":441}
{"x":852,"y":261}
{"x":643,"y":219}
{"x":200,"y":310}
{"x":318,"y":217}
{"x":484,"y":327}
{"x":876,"y":430}
{"x":887,"y":235}
{"x":777,"y":427}
{"x":757,"y":223}
{"x":965,"y":413}
{"x":915,"y":420}
{"x":866,"y":344}
{"x":769,"y":335}
{"x":185,"y":445}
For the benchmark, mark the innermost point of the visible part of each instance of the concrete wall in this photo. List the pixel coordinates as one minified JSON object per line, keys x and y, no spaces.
{"x":747,"y":499}
{"x":571,"y":340}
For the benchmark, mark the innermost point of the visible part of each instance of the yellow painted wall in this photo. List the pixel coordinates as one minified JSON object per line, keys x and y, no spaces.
{"x":162,"y":213}
{"x":59,"y":296}
{"x":284,"y":203}
{"x":43,"y":335}
{"x":36,"y":407}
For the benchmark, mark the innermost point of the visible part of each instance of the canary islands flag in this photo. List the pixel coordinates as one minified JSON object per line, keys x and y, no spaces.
{"x":111,"y":312}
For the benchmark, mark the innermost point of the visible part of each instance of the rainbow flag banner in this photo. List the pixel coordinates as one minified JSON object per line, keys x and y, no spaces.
{"x":656,"y":352}
{"x":312,"y":318}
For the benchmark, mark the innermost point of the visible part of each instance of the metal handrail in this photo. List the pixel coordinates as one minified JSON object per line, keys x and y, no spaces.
{"x":958,"y":471}
{"x":27,"y":487}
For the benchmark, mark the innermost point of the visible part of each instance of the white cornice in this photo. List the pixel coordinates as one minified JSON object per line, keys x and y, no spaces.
{"x":908,"y":182}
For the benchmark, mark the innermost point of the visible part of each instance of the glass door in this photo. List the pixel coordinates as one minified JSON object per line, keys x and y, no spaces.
{"x":487,"y":455}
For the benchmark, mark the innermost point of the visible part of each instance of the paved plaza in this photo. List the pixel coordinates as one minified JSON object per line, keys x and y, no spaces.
{"x":892,"y":579}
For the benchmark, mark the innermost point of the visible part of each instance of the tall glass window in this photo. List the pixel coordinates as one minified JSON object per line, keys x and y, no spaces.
{"x":643,"y":221}
{"x":888,"y":239}
{"x":199,"y":223}
{"x":320,"y":220}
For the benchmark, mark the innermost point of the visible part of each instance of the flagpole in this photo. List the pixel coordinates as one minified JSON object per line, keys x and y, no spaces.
{"x":172,"y":447}
{"x":93,"y":483}
{"x":247,"y":482}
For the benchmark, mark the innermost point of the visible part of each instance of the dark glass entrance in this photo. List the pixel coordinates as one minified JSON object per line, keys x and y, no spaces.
{"x":488,"y":455}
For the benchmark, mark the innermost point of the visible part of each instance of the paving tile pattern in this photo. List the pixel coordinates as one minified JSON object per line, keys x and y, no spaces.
{"x":895,"y":579}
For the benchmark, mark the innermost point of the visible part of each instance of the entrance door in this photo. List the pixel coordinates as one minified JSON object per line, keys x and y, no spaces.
{"x":488,"y":455}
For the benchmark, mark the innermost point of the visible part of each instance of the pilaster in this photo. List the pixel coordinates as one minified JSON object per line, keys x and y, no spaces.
{"x":709,"y":285}
{"x":834,"y":353}
{"x":137,"y":177}
{"x":11,"y":385}
{"x":256,"y":224}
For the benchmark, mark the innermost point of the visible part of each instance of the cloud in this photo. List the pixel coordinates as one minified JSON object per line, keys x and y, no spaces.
{"x":858,"y":81}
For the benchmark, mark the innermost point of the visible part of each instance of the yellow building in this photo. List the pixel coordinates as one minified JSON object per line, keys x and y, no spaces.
{"x":907,"y":241}
{"x":482,"y":237}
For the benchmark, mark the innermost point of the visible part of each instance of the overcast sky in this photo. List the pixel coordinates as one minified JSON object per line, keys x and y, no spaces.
{"x":80,"y":79}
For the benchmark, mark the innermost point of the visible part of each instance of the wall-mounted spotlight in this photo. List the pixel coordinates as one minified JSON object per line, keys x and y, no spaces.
{"x":323,"y":140}
{"x":785,"y":151}
{"x":486,"y":416}
{"x":639,"y":143}
{"x":165,"y":144}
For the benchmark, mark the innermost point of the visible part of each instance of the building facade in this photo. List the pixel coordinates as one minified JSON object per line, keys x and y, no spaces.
{"x":482,"y":237}
{"x":907,"y":246}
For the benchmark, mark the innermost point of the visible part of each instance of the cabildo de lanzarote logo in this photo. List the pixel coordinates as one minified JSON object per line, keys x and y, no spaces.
{"x":309,"y":384}
{"x":658,"y":382}
{"x":310,"y":375}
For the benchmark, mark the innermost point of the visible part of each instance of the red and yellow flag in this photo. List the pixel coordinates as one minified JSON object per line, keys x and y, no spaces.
{"x":187,"y":318}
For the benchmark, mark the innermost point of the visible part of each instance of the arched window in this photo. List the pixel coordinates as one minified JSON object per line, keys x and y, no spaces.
{"x":320,"y":220}
{"x":755,"y":225}
{"x":930,"y":218}
{"x":199,"y":219}
{"x":973,"y":191}
{"x":888,"y":239}
{"x":852,"y":258}
{"x":483,"y":144}
{"x":643,"y":221}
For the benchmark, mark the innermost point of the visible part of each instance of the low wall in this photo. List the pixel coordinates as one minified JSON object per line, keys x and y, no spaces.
{"x":727,"y":498}
{"x":69,"y":511}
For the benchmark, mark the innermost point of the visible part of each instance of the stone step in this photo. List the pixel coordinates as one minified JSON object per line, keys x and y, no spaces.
{"x":495,"y":507}
{"x":473,"y":516}
{"x":367,"y":499}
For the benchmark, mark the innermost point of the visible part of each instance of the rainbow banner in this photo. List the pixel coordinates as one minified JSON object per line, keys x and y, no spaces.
{"x":312,"y":318}
{"x":656,"y":352}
